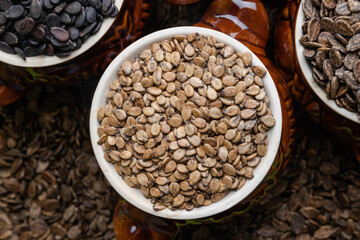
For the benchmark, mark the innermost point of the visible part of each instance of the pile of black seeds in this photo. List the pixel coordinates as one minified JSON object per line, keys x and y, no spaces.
{"x":50,"y":27}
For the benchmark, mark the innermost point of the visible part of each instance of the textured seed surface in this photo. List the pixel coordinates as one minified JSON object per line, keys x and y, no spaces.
{"x":331,"y":39}
{"x":182,"y":122}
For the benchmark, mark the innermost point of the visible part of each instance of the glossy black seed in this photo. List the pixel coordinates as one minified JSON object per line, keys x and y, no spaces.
{"x":55,"y":1}
{"x":31,"y":51}
{"x":20,"y":53}
{"x":60,"y":34}
{"x":74,"y":33}
{"x":24,"y":26}
{"x":38,"y":32}
{"x":73,"y":19}
{"x":57,"y":43}
{"x":6,"y":48}
{"x":95,"y":3}
{"x":33,"y":42}
{"x":35,"y":9}
{"x":115,"y":12}
{"x":5,"y":5}
{"x":65,"y":18}
{"x":49,"y":50}
{"x":105,"y":5}
{"x":2,"y":18}
{"x":109,"y":11}
{"x":85,"y":38}
{"x":14,"y":12}
{"x":10,"y":38}
{"x":97,"y":28}
{"x":90,"y":14}
{"x":80,"y":20}
{"x":25,"y":3}
{"x":62,"y":53}
{"x":61,"y":6}
{"x":41,"y":47}
{"x":72,"y":46}
{"x":53,"y":20}
{"x":87,"y":29}
{"x":73,"y":8}
{"x":47,"y":4}
{"x":78,"y":44}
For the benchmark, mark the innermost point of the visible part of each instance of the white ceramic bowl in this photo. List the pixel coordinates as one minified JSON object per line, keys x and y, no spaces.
{"x":45,"y":61}
{"x":306,"y":69}
{"x":134,"y":196}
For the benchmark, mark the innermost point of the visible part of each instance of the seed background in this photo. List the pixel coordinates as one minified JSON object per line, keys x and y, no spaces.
{"x":44,"y":142}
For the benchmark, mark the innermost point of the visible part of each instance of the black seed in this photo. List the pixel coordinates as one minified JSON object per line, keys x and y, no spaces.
{"x":57,"y":43}
{"x":30,"y":51}
{"x":41,"y":47}
{"x":26,"y":3}
{"x":115,"y":12}
{"x":65,"y":18}
{"x":10,"y":38}
{"x":95,"y":3}
{"x":38,"y":32}
{"x":60,"y":34}
{"x":78,"y":44}
{"x":24,"y":26}
{"x":72,"y":46}
{"x":49,"y":50}
{"x":60,"y":7}
{"x":85,"y":38}
{"x":6,"y":48}
{"x":5,"y":5}
{"x":47,"y":4}
{"x":14,"y":12}
{"x":62,"y":53}
{"x":2,"y":18}
{"x":20,"y":52}
{"x":73,"y":8}
{"x":87,"y":29}
{"x":35,"y":9}
{"x":53,"y":20}
{"x":33,"y":42}
{"x":97,"y":28}
{"x":109,"y":11}
{"x":105,"y":5}
{"x":74,"y":33}
{"x":80,"y":20}
{"x":90,"y":13}
{"x":55,"y":1}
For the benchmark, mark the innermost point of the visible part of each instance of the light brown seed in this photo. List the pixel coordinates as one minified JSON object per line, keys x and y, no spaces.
{"x":178,"y":200}
{"x":215,"y":113}
{"x":228,"y":169}
{"x":179,"y":154}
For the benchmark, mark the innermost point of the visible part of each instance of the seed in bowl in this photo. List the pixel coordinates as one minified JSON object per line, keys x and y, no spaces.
{"x":331,"y":43}
{"x":186,"y":121}
{"x":50,"y":27}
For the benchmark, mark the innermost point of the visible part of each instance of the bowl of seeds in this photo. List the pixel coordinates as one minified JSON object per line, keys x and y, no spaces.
{"x":185,"y":123}
{"x":41,"y":33}
{"x":327,"y":48}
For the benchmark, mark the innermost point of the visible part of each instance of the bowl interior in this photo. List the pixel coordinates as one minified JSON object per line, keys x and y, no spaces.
{"x":45,"y":61}
{"x":134,"y":196}
{"x":306,"y":69}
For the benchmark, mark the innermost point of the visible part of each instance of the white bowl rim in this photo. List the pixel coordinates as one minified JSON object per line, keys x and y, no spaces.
{"x":46,"y":61}
{"x":134,"y":196}
{"x":305,"y":67}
